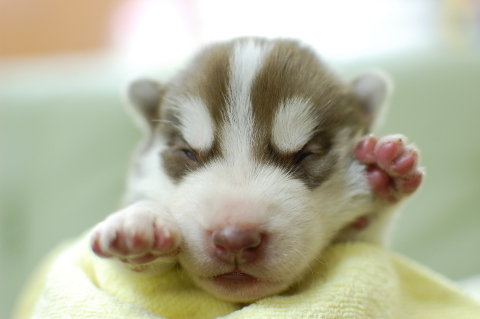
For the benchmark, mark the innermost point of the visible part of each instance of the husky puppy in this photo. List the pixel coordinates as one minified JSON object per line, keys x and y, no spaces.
{"x":256,"y":157}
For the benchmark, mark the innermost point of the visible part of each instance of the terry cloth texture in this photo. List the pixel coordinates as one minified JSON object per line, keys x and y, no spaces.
{"x":352,"y":280}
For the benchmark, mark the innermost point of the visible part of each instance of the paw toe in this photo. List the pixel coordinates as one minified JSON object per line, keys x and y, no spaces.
{"x":164,"y":239}
{"x":133,"y":243}
{"x":410,"y":185}
{"x":97,"y":247}
{"x":387,"y":150}
{"x":365,"y":150}
{"x":391,"y":165}
{"x":379,"y":181}
{"x":405,"y":163}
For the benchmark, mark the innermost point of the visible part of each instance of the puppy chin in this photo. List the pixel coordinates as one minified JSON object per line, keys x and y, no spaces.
{"x":240,"y":287}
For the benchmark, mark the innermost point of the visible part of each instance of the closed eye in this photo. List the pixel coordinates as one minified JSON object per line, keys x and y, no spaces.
{"x":189,"y":154}
{"x":307,"y":151}
{"x":301,"y":156}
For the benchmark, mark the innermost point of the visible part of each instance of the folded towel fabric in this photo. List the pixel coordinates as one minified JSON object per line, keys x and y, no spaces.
{"x":352,"y":280}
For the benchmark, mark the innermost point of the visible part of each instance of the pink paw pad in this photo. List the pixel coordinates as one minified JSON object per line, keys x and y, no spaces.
{"x":392,"y":166}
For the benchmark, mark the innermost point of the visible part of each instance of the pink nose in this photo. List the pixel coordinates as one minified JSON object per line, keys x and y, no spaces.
{"x":236,"y":246}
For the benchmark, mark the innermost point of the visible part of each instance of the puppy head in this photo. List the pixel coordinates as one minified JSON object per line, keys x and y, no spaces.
{"x":252,"y":148}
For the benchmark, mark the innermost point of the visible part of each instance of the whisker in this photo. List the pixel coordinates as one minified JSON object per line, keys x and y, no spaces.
{"x":312,"y":271}
{"x":318,"y":260}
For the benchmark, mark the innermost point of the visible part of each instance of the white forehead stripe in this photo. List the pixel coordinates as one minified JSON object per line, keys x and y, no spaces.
{"x":293,"y":125}
{"x":247,"y":59}
{"x":196,"y":123}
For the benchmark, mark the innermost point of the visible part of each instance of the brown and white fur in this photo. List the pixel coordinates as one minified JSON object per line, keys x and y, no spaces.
{"x":256,"y":157}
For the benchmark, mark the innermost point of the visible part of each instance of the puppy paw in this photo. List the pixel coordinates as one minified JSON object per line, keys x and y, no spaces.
{"x":136,"y":235}
{"x":392,"y":170}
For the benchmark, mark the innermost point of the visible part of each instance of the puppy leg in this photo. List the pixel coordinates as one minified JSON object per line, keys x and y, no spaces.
{"x":142,"y":236}
{"x":392,"y":173}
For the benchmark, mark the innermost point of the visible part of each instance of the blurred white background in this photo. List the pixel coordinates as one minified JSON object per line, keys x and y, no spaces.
{"x":65,"y":139}
{"x":342,"y":29}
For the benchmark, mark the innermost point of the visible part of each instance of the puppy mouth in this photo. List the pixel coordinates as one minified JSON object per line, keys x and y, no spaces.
{"x":239,"y":286}
{"x":235,"y":276}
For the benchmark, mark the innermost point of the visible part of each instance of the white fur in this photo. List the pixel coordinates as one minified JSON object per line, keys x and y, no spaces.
{"x":264,"y":196}
{"x":196,"y":124}
{"x":293,"y":125}
{"x":147,"y":179}
{"x":247,"y":59}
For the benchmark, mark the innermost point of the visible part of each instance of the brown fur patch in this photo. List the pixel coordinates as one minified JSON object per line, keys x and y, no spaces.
{"x":295,"y":71}
{"x":207,"y":77}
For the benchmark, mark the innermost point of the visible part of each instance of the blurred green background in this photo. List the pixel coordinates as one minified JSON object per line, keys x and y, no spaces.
{"x":66,"y":140}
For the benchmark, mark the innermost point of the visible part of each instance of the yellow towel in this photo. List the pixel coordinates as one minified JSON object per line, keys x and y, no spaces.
{"x":352,"y":280}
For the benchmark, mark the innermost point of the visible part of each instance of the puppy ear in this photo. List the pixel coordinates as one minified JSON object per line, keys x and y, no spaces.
{"x":373,"y":91}
{"x":144,"y":96}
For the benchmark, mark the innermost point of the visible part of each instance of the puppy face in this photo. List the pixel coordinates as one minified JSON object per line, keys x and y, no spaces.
{"x":251,"y":149}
